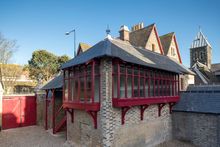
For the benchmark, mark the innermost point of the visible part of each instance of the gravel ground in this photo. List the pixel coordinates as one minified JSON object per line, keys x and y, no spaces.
{"x":36,"y":136}
{"x":33,"y":136}
{"x":175,"y":143}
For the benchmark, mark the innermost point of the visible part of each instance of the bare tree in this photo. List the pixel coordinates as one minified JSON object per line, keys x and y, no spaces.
{"x":7,"y":48}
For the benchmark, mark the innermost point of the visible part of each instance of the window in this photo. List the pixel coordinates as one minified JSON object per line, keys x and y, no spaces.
{"x":132,"y":81}
{"x":153,"y":47}
{"x":129,"y":86}
{"x":66,"y":90}
{"x":195,"y":56}
{"x":173,"y":53}
{"x":82,"y":83}
{"x":202,"y":55}
{"x":146,"y":87}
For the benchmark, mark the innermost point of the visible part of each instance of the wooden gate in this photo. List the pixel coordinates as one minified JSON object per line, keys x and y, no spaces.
{"x":18,"y":111}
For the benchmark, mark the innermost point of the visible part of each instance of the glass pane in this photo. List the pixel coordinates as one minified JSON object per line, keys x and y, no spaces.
{"x":142,"y":87}
{"x":115,"y":68}
{"x":136,"y":87}
{"x":142,"y":71}
{"x":81,"y":71}
{"x":162,"y":87}
{"x":88,"y":88}
{"x":66,"y":72}
{"x":129,"y":70}
{"x":66,"y":90}
{"x":136,"y":71}
{"x":115,"y":80}
{"x":72,"y":89}
{"x":96,"y":90}
{"x":82,"y":89}
{"x":156,"y":88}
{"x":88,"y":70}
{"x":171,"y":88}
{"x":76,"y":89}
{"x":97,"y":68}
{"x":71,"y":73}
{"x":129,"y":87}
{"x":177,"y":87}
{"x":151,"y":87}
{"x":122,"y":69}
{"x":146,"y":88}
{"x":167,"y":88}
{"x":151,"y":74}
{"x":122,"y":87}
{"x":76,"y":70}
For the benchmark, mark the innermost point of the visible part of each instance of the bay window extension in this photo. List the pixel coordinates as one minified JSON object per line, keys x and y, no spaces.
{"x":135,"y":85}
{"x":82,"y":87}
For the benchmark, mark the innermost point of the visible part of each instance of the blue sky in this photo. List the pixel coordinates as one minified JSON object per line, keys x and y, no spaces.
{"x":41,"y":24}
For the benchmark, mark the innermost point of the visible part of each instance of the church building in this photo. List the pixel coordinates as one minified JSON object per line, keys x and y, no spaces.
{"x":201,"y":61}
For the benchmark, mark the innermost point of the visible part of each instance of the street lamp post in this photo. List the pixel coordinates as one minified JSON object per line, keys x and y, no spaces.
{"x":68,"y":33}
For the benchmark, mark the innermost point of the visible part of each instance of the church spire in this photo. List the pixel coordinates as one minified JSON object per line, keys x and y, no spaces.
{"x":200,"y":40}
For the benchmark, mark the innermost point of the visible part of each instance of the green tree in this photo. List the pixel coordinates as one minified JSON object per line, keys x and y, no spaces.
{"x":43,"y":65}
{"x":63,"y":59}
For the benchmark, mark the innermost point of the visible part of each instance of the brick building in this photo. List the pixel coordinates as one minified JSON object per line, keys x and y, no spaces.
{"x":120,"y":92}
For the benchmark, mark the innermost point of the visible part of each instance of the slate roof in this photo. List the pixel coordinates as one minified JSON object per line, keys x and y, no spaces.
{"x":215,"y":67}
{"x":205,"y":75}
{"x":200,"y":41}
{"x":140,"y":37}
{"x":126,"y":52}
{"x":200,"y":99}
{"x":166,"y":41}
{"x":55,"y":83}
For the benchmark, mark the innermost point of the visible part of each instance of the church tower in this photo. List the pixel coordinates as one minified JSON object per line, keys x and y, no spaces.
{"x":200,"y":51}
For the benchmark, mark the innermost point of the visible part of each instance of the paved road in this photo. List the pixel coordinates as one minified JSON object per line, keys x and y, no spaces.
{"x":33,"y":136}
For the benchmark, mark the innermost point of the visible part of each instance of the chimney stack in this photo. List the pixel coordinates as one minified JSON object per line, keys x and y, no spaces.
{"x":137,"y":27}
{"x":124,"y":33}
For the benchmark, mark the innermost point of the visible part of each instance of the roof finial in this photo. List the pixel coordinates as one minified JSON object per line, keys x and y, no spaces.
{"x":108,"y":33}
{"x":108,"y":30}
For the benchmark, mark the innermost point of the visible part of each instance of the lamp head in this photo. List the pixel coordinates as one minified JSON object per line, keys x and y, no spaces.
{"x":67,"y":33}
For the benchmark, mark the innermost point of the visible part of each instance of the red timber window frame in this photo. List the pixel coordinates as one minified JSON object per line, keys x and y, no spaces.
{"x":135,"y":85}
{"x":81,"y":88}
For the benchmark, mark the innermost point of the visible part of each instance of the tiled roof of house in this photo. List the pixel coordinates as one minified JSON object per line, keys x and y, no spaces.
{"x":200,"y":99}
{"x":140,"y":37}
{"x":84,"y":46}
{"x":166,"y":41}
{"x":127,"y":52}
{"x":55,"y":83}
